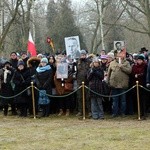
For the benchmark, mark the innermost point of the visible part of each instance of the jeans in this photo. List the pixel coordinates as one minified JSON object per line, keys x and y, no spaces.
{"x":118,"y":100}
{"x":97,"y":108}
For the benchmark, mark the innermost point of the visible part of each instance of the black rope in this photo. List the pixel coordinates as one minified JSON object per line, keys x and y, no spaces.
{"x":110,"y":95}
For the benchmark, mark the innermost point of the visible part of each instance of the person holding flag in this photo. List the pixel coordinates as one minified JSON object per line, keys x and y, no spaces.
{"x":50,"y":41}
{"x":31,"y":46}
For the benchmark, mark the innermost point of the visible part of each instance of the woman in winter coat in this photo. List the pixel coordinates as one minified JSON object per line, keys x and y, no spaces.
{"x":32,"y":64}
{"x":54,"y":102}
{"x":22,"y":80}
{"x":44,"y":82}
{"x":139,"y":72}
{"x":6,"y":74}
{"x":95,"y":77}
{"x":64,"y":86}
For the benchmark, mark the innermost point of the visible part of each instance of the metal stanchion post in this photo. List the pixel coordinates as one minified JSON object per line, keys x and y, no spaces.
{"x":138,"y":99}
{"x":33,"y":100}
{"x":83,"y":99}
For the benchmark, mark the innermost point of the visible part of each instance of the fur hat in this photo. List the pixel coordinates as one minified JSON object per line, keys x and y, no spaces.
{"x":33,"y":62}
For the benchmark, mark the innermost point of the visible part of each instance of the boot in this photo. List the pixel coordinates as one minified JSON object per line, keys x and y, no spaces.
{"x":67,"y":112}
{"x":5,"y":110}
{"x":60,"y":112}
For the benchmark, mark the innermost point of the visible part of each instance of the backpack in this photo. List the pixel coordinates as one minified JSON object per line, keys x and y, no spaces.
{"x":43,"y":98}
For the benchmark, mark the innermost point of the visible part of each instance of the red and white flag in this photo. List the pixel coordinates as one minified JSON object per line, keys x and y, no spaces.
{"x":31,"y":46}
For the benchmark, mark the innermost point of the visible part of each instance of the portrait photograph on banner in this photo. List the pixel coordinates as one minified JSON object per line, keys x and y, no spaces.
{"x":72,"y":45}
{"x":120,"y":47}
{"x":62,"y":70}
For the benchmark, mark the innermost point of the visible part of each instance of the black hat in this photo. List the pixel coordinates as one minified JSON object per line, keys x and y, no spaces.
{"x":7,"y":62}
{"x":143,"y":49}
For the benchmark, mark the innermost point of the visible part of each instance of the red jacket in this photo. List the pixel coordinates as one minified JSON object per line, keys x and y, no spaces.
{"x":140,"y":70}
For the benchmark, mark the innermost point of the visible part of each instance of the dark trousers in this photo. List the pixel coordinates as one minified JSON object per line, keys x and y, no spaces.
{"x":45,"y":110}
{"x":65,"y":102}
{"x":118,"y":100}
{"x":80,"y":101}
{"x":23,"y":109}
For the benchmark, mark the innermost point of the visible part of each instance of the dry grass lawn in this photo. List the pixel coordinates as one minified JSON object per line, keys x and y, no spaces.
{"x":62,"y":133}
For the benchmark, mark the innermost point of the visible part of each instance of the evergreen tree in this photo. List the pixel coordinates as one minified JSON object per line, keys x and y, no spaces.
{"x":62,"y":24}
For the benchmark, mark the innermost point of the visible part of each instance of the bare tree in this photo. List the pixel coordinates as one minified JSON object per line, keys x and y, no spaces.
{"x":12,"y":19}
{"x":96,"y":15}
{"x":141,"y":19}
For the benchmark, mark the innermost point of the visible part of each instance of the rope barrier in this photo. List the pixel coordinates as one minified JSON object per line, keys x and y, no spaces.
{"x":54,"y":96}
{"x":110,"y":95}
{"x":82,"y":86}
{"x":144,"y":88}
{"x":9,"y":97}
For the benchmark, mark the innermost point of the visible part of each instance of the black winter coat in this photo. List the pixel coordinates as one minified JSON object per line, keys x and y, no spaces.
{"x":22,"y":80}
{"x":44,"y":80}
{"x":6,"y":89}
{"x":95,"y":76}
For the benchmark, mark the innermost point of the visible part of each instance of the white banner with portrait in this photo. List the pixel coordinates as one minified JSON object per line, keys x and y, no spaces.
{"x":72,"y":45}
{"x":62,"y":70}
{"x":120,"y":47}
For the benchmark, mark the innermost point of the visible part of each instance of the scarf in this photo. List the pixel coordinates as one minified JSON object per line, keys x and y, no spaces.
{"x":44,"y":68}
{"x":5,"y":74}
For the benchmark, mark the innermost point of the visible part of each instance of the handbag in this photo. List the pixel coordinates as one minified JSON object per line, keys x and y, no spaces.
{"x":43,"y":98}
{"x":68,"y":86}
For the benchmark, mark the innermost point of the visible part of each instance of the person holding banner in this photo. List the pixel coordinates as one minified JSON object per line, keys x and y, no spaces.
{"x":72,"y":47}
{"x":64,"y":85}
{"x":118,"y":79}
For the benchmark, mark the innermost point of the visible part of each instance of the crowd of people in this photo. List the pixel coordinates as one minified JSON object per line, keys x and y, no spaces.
{"x":104,"y":74}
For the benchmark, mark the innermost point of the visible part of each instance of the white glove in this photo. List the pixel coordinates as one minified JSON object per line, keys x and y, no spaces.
{"x":148,"y":85}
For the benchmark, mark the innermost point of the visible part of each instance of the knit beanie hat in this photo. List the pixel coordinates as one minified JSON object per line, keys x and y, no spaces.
{"x":103,"y":56}
{"x":20,"y":63}
{"x":141,"y":56}
{"x":83,"y":52}
{"x":110,"y":55}
{"x":96,"y":59}
{"x":44,"y":60}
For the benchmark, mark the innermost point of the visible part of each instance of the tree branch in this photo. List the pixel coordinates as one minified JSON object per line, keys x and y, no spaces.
{"x":7,"y":27}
